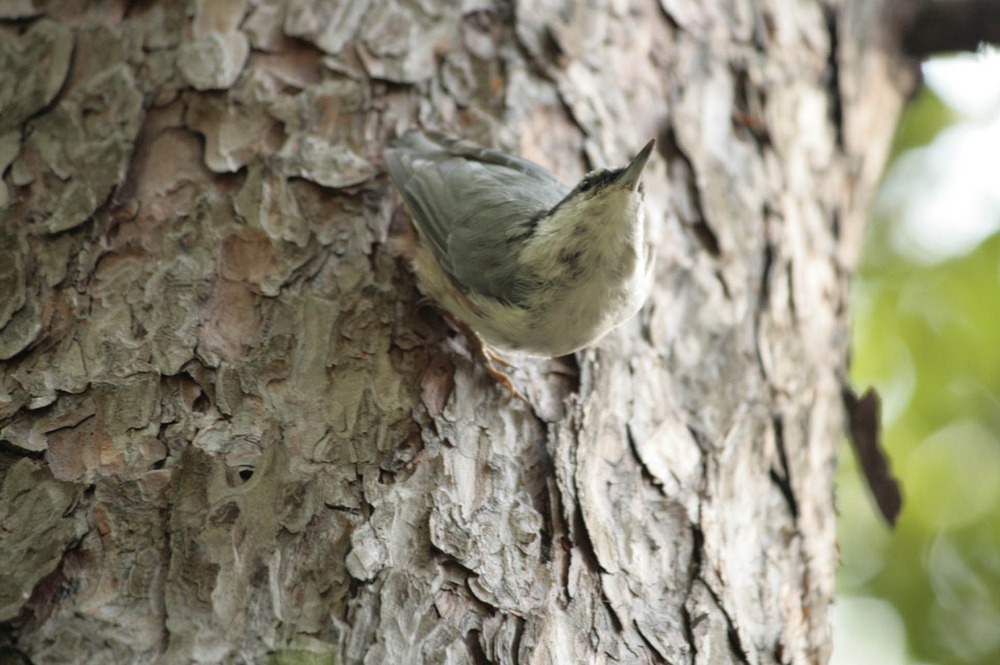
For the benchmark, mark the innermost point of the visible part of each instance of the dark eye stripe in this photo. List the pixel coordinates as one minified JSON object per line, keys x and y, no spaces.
{"x":597,"y":178}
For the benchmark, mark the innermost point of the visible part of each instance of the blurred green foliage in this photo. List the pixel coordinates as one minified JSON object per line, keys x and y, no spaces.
{"x":925,"y":117}
{"x":928,"y":338}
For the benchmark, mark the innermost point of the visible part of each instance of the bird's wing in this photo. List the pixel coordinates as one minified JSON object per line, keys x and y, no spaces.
{"x":472,"y":206}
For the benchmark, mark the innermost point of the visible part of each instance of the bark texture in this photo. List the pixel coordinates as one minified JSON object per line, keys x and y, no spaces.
{"x":229,"y":429}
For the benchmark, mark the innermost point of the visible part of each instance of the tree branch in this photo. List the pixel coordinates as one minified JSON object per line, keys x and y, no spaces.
{"x":956,"y":25}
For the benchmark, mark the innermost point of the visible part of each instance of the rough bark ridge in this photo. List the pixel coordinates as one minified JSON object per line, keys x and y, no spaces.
{"x":229,"y":428}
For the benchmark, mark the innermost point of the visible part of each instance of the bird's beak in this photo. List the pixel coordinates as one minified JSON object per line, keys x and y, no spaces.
{"x":630,"y":177}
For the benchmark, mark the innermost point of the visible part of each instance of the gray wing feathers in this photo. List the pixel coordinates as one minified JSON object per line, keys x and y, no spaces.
{"x":471,"y":205}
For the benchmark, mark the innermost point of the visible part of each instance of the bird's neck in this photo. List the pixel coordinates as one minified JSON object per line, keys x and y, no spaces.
{"x":605,"y":231}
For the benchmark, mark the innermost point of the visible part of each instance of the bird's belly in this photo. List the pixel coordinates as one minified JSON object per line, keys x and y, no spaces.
{"x":563,"y":320}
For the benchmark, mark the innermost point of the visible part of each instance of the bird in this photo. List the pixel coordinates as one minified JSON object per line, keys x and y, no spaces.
{"x":526,"y":263}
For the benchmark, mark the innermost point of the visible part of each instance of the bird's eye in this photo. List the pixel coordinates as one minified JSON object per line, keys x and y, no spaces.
{"x":586,"y":184}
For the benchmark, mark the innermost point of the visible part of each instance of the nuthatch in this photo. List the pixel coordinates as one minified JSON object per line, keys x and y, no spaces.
{"x":528,"y":263}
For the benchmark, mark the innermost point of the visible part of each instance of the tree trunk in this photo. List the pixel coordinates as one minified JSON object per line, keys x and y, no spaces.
{"x":231,"y":430}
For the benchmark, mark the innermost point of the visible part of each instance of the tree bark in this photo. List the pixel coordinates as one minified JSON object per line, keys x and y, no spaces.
{"x":230,"y":430}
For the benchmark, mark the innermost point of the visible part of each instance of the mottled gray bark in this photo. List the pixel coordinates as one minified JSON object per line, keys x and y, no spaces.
{"x":229,"y":428}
